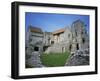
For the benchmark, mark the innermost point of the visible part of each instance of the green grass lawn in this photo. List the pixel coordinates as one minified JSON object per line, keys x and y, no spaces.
{"x":54,"y":59}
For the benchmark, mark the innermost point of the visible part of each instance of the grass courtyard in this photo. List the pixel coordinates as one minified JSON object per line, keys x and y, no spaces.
{"x":54,"y":59}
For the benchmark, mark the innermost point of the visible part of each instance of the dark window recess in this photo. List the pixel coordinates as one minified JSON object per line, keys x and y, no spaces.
{"x":52,"y":42}
{"x":82,"y":32}
{"x":49,"y":40}
{"x":70,"y":47}
{"x":62,"y":49}
{"x":68,"y":35}
{"x":83,"y":40}
{"x":26,"y":48}
{"x":36,"y":48}
{"x":77,"y":46}
{"x":76,"y":33}
{"x":45,"y":48}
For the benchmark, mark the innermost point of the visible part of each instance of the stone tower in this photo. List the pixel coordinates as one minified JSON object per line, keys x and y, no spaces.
{"x":80,"y":38}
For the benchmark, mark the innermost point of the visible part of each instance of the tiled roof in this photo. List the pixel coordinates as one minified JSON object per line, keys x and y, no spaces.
{"x":59,"y":31}
{"x":35,"y":29}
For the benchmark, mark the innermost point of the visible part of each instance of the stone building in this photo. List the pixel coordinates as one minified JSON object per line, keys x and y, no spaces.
{"x":34,"y":47}
{"x":80,"y":38}
{"x":34,"y":39}
{"x":74,"y":39}
{"x":59,"y":41}
{"x":66,"y":39}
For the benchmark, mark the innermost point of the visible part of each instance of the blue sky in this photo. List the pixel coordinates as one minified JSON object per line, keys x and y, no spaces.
{"x":51,"y":22}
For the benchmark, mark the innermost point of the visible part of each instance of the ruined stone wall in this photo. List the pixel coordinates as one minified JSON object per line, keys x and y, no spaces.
{"x":61,"y":45}
{"x":79,"y":57}
{"x":47,"y":38}
{"x":80,"y":38}
{"x":35,"y":42}
{"x":72,"y":39}
{"x":58,"y":48}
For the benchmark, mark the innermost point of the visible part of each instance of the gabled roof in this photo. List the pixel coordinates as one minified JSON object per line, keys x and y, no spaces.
{"x":59,"y":31}
{"x":35,"y":29}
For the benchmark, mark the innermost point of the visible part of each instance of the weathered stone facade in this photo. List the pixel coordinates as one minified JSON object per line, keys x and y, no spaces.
{"x":70,"y":39}
{"x":34,"y":47}
{"x":59,"y":41}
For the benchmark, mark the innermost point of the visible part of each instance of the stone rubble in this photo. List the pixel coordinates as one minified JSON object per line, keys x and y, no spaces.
{"x":80,"y":57}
